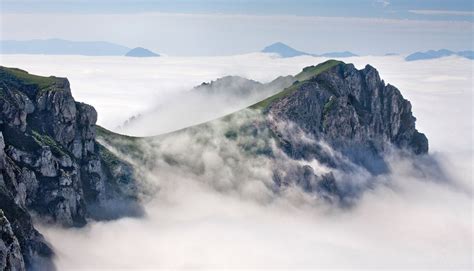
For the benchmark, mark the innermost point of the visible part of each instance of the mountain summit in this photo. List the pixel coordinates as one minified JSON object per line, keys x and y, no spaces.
{"x":286,"y":51}
{"x":141,"y":52}
{"x":283,"y":50}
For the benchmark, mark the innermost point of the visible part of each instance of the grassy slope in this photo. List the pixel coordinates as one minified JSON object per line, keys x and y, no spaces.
{"x":125,"y":144}
{"x":304,"y":75}
{"x":41,"y":81}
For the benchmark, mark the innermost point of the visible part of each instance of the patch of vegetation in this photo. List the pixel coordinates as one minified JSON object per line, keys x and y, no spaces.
{"x":329,"y":105}
{"x":312,"y":71}
{"x":45,"y":140}
{"x":41,"y":81}
{"x":126,"y":144}
{"x":306,"y":74}
{"x":18,"y":139}
{"x":101,"y":131}
{"x":110,"y":159}
{"x":231,"y":134}
{"x":264,"y":104}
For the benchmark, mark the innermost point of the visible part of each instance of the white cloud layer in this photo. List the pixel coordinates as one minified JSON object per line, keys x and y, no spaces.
{"x":417,"y":221}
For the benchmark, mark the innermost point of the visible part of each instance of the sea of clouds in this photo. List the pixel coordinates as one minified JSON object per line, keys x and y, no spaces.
{"x":217,"y":209}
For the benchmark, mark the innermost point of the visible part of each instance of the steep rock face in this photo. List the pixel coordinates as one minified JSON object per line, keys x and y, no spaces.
{"x":51,"y":164}
{"x":334,"y":106}
{"x":352,"y":110}
{"x":10,"y":252}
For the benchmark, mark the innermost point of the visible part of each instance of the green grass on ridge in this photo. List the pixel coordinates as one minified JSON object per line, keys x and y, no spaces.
{"x":41,"y":81}
{"x":306,"y":74}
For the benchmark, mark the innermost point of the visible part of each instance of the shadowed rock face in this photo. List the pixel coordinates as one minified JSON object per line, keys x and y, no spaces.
{"x":353,"y":111}
{"x":10,"y":252}
{"x":51,"y":164}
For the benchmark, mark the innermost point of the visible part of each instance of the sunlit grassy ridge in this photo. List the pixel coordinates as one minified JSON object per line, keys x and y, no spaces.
{"x":41,"y":81}
{"x":306,"y":74}
{"x":311,"y":71}
{"x":126,"y":144}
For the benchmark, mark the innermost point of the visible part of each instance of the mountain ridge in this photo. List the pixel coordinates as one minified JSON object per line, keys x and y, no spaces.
{"x":54,"y":159}
{"x":285,"y":51}
{"x":434,"y":54}
{"x":352,"y":111}
{"x":141,"y":52}
{"x":52,"y":166}
{"x":62,"y":47}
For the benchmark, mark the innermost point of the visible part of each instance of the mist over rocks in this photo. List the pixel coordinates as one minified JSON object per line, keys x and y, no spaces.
{"x":345,"y":120}
{"x":353,"y":110}
{"x":51,"y":164}
{"x":239,"y":87}
{"x":232,"y":184}
{"x":220,"y":97}
{"x":213,"y":190}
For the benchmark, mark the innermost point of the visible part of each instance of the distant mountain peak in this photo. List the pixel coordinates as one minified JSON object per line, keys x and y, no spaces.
{"x":55,"y":46}
{"x":433,"y":54}
{"x":141,"y":52}
{"x":283,"y":50}
{"x":339,"y":54}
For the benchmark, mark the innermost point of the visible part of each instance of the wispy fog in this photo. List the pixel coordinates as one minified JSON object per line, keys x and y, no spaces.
{"x":216,"y":206}
{"x":122,"y":87}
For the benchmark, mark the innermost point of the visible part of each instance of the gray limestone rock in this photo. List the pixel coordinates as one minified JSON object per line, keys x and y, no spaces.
{"x":352,"y":110}
{"x":50,"y":162}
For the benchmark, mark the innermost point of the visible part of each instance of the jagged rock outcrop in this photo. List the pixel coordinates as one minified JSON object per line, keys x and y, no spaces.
{"x":51,"y":164}
{"x":352,"y":110}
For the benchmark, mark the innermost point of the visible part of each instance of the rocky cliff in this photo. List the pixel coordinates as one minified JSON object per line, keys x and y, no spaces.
{"x":352,"y":110}
{"x":10,"y":251}
{"x":52,"y":167}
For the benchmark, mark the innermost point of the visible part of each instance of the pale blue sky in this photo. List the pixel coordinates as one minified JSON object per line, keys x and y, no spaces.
{"x":217,"y":27}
